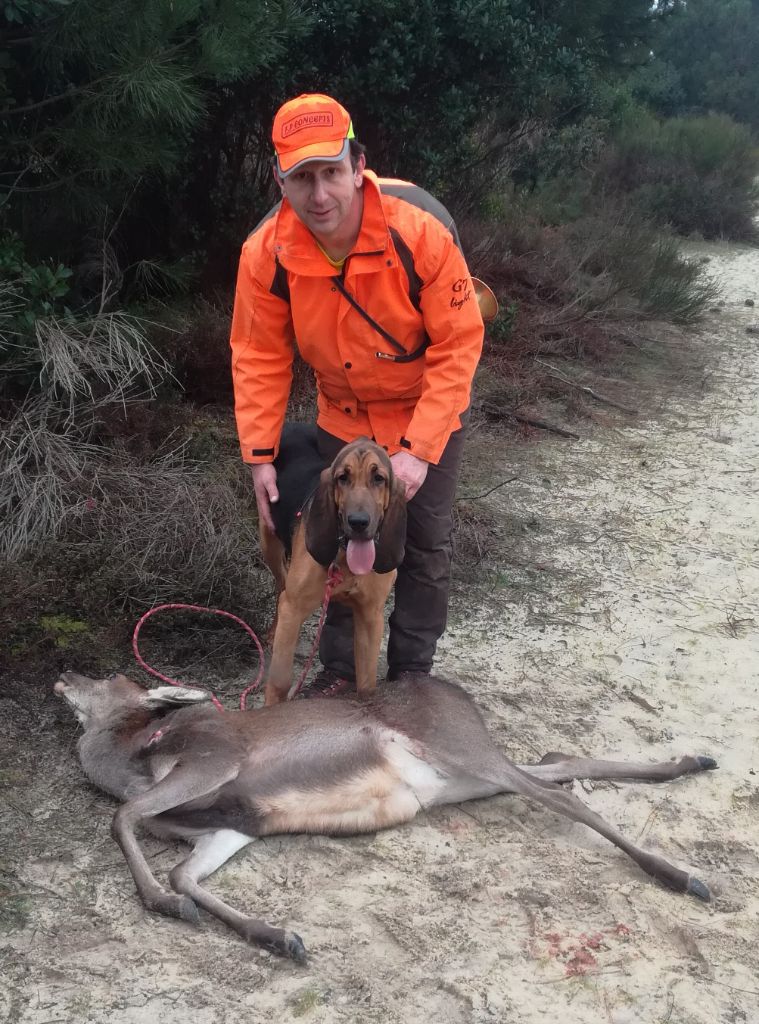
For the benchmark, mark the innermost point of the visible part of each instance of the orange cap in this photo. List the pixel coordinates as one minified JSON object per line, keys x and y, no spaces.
{"x":310,"y":127}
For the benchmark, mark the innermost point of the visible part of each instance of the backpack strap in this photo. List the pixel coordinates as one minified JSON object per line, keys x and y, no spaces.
{"x":280,"y":286}
{"x":406,"y":257}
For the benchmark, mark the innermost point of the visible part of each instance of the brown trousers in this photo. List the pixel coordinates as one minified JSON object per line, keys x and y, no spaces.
{"x":420,"y":613}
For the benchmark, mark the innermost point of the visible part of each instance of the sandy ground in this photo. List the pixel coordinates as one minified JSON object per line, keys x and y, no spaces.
{"x":633,"y":633}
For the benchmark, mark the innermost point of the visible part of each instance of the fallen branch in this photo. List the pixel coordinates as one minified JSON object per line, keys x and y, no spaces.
{"x":641,"y":702}
{"x":558,"y":375}
{"x":529,"y":420}
{"x":542,"y":425}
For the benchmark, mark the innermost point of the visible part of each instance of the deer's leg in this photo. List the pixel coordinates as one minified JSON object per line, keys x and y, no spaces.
{"x":565,"y":767}
{"x":512,"y":779}
{"x":179,"y":787}
{"x":211,"y":851}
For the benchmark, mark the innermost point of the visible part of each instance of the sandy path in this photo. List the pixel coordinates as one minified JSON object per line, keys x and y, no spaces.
{"x":635,"y":634}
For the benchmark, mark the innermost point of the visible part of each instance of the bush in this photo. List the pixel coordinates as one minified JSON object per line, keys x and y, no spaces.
{"x":608,"y":264}
{"x":129,"y":528}
{"x":631,"y":267}
{"x":696,"y":174}
{"x":113,"y":494}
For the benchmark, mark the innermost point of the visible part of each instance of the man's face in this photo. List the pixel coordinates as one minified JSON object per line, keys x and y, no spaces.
{"x":326,"y":197}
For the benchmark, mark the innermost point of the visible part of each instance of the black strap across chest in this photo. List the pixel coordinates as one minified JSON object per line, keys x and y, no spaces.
{"x":280,"y":287}
{"x":404,"y":357}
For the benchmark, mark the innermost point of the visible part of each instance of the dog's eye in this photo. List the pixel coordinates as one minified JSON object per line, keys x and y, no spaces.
{"x":379,"y":479}
{"x":343,"y":478}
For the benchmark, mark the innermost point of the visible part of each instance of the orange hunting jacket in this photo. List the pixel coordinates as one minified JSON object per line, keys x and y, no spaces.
{"x":407,"y":272}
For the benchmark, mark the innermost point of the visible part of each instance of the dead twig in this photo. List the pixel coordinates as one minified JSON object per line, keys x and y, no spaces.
{"x":476,"y":497}
{"x":735,"y":627}
{"x":495,"y":410}
{"x":543,"y":425}
{"x":641,"y":702}
{"x":558,"y":375}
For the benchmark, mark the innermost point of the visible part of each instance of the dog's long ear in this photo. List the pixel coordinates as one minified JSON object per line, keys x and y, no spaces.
{"x":391,"y":545}
{"x":321,"y":522}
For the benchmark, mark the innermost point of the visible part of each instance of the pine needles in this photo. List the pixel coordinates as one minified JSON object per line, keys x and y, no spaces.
{"x":105,"y":355}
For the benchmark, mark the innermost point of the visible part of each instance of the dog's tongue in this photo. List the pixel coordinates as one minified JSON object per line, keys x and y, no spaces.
{"x":359,"y":555}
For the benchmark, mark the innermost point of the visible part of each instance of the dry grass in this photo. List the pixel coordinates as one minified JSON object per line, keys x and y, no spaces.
{"x":477,"y":533}
{"x":106,"y":355}
{"x":173,"y":529}
{"x":122,"y":502}
{"x":143,"y":530}
{"x":40,"y":465}
{"x":83,"y":365}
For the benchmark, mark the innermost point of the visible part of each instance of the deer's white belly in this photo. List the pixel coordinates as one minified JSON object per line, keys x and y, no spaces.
{"x":378,"y":797}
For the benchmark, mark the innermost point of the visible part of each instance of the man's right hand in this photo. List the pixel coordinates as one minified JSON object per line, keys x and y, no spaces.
{"x":265,"y":486}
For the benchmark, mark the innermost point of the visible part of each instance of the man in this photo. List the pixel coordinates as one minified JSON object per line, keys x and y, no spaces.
{"x":367,"y":277}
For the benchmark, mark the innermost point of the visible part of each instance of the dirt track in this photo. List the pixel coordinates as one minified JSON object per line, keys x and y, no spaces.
{"x":636,"y":634}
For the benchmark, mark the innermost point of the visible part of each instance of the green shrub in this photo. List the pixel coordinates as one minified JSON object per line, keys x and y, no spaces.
{"x":27,"y":292}
{"x":696,"y":174}
{"x":673,"y":287}
{"x":631,"y":266}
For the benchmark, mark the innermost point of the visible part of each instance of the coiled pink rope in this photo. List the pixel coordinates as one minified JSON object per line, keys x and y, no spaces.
{"x":212,"y":611}
{"x":334,"y":577}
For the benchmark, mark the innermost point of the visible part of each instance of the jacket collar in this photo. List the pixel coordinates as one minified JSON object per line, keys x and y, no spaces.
{"x":296,"y":249}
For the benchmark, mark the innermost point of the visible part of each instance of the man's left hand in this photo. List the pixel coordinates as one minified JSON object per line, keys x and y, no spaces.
{"x":410,"y":470}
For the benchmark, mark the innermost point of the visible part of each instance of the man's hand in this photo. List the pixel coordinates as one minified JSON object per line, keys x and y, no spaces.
{"x":265,"y":486}
{"x":410,"y":470}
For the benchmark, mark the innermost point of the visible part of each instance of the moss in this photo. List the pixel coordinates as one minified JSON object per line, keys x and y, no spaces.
{"x":62,"y":629}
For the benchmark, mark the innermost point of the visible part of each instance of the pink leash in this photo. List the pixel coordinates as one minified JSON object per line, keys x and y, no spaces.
{"x":334,"y":578}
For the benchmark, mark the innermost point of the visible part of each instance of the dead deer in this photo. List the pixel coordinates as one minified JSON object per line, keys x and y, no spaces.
{"x":340,"y":766}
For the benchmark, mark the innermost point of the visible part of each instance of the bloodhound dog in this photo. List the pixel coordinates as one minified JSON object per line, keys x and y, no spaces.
{"x":351,"y":514}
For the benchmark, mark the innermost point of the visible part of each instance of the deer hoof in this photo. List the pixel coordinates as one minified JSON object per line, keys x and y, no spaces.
{"x":277,"y":940}
{"x":697,"y":888}
{"x":175,"y":905}
{"x":706,"y":764}
{"x":188,"y":911}
{"x":293,"y":947}
{"x":285,"y":944}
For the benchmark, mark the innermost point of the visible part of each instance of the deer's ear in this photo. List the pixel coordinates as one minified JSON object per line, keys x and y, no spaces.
{"x":167,"y":696}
